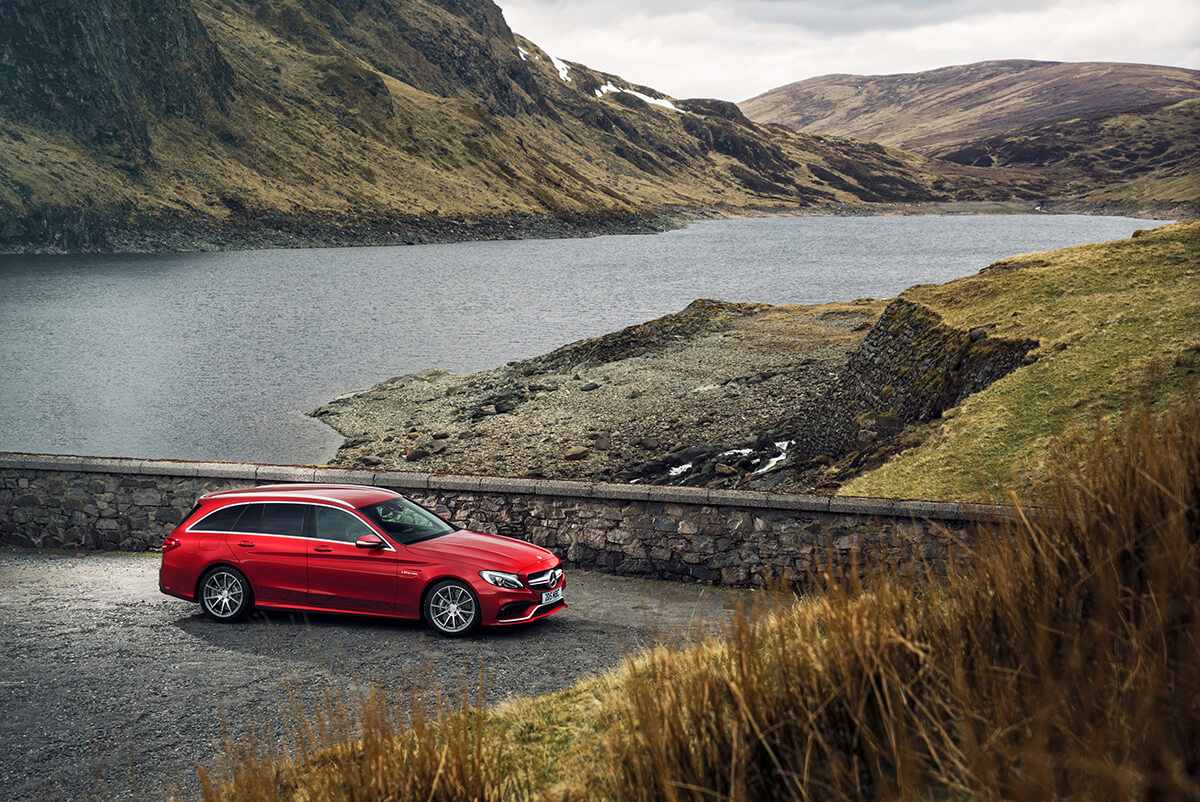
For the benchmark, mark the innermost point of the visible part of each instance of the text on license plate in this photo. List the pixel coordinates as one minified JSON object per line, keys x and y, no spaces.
{"x":552,"y":595}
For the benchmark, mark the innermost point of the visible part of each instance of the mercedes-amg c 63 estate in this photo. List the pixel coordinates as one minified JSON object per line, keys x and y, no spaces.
{"x":353,"y":549}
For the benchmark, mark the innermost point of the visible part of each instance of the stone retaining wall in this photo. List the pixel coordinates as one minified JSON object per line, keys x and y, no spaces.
{"x":707,"y":535}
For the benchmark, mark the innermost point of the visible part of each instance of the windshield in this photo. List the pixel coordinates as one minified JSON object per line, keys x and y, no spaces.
{"x":405,"y":521}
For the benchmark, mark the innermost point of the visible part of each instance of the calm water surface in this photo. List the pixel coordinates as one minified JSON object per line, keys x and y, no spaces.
{"x":219,"y":355}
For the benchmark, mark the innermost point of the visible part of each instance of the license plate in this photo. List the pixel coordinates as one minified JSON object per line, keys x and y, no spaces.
{"x":552,"y":595}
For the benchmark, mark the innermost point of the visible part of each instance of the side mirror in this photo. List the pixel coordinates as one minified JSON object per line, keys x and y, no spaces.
{"x":371,"y":541}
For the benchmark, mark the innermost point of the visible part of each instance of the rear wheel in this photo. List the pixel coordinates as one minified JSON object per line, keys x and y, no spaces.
{"x":451,"y":608}
{"x":225,"y":594}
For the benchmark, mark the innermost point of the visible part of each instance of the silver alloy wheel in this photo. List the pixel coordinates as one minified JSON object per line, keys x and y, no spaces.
{"x":452,"y":608}
{"x":223,"y":594}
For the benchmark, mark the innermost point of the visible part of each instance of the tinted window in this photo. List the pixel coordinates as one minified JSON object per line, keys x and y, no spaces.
{"x":334,"y":524}
{"x":220,"y":521}
{"x":406,"y":521}
{"x":251,"y":520}
{"x":283,"y":519}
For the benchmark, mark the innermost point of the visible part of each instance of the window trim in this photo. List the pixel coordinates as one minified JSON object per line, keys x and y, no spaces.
{"x":309,"y":524}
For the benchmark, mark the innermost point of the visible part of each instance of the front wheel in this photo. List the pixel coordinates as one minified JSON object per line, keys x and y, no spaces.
{"x":225,"y":594}
{"x":451,"y":608}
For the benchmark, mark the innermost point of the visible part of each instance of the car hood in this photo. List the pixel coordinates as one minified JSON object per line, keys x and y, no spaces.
{"x":482,"y":551}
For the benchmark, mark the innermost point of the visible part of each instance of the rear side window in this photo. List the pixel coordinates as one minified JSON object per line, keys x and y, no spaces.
{"x":251,"y":520}
{"x":283,"y":519}
{"x":221,"y":520}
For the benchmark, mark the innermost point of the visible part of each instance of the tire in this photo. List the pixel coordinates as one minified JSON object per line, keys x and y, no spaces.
{"x":225,"y":594}
{"x":451,"y":608}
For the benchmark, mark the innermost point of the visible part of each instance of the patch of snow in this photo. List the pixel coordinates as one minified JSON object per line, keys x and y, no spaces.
{"x":564,"y":71}
{"x":783,"y":446}
{"x":656,"y":101}
{"x":523,"y":53}
{"x":680,"y":469}
{"x":740,"y":452}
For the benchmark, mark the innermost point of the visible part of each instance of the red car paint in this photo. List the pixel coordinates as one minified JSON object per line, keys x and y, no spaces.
{"x":352,"y":549}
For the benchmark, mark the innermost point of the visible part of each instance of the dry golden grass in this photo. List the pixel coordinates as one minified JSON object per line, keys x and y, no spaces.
{"x":1062,"y":663}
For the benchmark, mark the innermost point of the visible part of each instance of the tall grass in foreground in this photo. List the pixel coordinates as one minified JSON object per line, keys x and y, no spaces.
{"x":1064,"y":663}
{"x":426,"y":746}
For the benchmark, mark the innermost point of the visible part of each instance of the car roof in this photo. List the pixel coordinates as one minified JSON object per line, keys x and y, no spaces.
{"x":342,"y":495}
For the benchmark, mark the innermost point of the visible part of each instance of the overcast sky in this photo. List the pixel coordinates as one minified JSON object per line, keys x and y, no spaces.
{"x":734,"y":49}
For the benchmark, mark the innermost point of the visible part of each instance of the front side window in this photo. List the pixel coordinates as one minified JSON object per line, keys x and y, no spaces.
{"x":405,"y":521}
{"x":334,"y":524}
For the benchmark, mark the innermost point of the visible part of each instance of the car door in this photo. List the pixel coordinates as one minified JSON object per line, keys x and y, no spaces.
{"x":269,"y":544}
{"x":342,"y":576}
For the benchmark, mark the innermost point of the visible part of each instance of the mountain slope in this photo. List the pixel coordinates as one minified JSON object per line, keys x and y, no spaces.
{"x":225,"y":123}
{"x":926,"y":111}
{"x":1114,"y":123}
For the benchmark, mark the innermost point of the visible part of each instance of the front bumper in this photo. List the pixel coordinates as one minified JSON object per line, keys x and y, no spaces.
{"x":503,"y":606}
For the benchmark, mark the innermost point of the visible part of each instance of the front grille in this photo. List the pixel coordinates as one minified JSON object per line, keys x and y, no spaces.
{"x":546,"y":579}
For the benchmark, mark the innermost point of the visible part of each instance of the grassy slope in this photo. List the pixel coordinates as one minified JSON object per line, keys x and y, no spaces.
{"x":1064,"y":665}
{"x":1118,"y":323}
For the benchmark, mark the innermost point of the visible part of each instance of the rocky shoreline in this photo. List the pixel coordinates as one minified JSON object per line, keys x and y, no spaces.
{"x":57,"y":230}
{"x":597,"y":408}
{"x":751,"y":396}
{"x":62,"y":231}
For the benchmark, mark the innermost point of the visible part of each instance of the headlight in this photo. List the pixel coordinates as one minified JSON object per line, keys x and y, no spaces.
{"x":501,"y":580}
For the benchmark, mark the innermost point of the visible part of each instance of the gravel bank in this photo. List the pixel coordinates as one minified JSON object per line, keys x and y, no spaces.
{"x":716,"y":373}
{"x":108,"y":684}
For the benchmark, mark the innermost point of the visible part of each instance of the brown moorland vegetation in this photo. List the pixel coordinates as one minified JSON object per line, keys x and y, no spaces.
{"x":1063,"y":662}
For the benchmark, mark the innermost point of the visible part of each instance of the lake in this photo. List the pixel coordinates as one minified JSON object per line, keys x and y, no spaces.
{"x":219,"y":355}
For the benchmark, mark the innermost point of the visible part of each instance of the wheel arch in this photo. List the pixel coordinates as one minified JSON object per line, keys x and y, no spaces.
{"x":433,"y":582}
{"x":208,"y":569}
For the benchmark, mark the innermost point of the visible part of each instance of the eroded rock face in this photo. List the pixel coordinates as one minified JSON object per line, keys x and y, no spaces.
{"x":913,"y":366}
{"x":450,"y":48}
{"x":100,"y":69}
{"x":909,"y":369}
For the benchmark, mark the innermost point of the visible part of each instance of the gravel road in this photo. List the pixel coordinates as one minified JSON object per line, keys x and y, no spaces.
{"x":111,"y":689}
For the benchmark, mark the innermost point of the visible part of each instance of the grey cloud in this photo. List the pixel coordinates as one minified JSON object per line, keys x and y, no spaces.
{"x":856,"y":16}
{"x":822,"y":17}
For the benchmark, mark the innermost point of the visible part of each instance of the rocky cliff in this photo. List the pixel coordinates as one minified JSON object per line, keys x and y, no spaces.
{"x":104,"y":70}
{"x":909,"y":369}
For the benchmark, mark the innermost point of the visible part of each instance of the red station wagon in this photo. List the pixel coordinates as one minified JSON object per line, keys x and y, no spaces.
{"x":353,"y":549}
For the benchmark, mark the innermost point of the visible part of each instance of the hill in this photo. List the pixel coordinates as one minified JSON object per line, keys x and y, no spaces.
{"x":181,"y":124}
{"x":1112,"y":122}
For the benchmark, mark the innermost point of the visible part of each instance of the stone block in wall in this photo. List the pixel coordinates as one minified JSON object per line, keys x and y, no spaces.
{"x":169,"y":468}
{"x":454,"y":483}
{"x":289,"y":474}
{"x":400,"y":481}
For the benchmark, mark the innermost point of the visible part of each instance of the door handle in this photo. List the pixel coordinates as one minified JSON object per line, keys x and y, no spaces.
{"x":246,"y":544}
{"x":322,"y":548}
